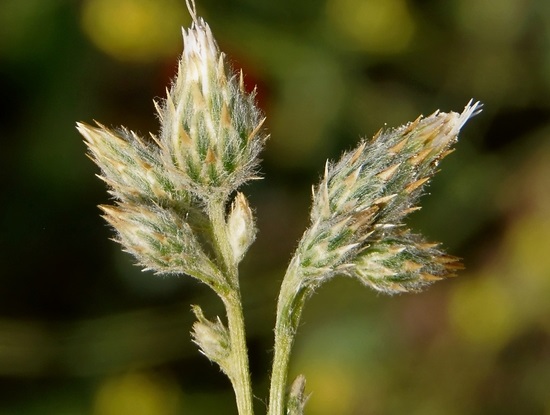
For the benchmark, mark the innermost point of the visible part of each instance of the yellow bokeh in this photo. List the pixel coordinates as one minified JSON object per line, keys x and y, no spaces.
{"x":373,"y":26}
{"x":135,"y":30}
{"x":526,"y":245}
{"x":483,"y":312}
{"x":137,"y":394}
{"x":509,"y":294}
{"x":529,"y":242}
{"x":332,"y":389}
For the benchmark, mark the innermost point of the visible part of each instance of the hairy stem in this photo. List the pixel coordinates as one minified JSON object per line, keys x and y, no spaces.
{"x":240,"y":378}
{"x":289,"y":310}
{"x":240,"y":374}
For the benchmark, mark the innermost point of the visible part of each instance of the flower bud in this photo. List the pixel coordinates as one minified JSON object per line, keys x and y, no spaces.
{"x":403,"y":263}
{"x":211,"y":128}
{"x":161,"y":241}
{"x":240,"y":227}
{"x":213,"y":340}
{"x":131,"y":167}
{"x":297,"y":398}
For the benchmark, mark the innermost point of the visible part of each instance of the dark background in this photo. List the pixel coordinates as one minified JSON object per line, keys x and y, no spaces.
{"x":83,"y":331}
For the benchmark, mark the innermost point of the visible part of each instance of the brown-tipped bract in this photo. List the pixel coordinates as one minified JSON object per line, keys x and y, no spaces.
{"x":359,"y":206}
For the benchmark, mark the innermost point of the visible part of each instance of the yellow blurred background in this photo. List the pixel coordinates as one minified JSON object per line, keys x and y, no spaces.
{"x":83,"y":331}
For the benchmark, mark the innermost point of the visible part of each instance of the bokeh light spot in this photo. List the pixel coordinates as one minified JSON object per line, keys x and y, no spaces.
{"x":137,"y":394}
{"x":333,"y":389}
{"x":373,"y":26}
{"x":483,"y":313}
{"x":528,"y":243}
{"x":135,"y":30}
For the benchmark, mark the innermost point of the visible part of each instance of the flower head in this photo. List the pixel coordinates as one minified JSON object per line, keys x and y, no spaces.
{"x":210,"y":137}
{"x":211,"y":131}
{"x":359,"y":206}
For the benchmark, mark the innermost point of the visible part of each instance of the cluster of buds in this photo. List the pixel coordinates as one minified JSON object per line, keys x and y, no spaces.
{"x":359,"y":206}
{"x":210,"y":137}
{"x":172,"y":194}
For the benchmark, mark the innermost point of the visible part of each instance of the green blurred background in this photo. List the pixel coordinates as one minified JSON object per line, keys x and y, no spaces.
{"x":83,"y":331}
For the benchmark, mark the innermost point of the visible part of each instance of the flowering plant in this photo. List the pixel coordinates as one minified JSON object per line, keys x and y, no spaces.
{"x":178,"y":209}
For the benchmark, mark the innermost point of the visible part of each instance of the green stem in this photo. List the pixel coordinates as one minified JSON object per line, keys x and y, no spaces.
{"x":289,"y":310}
{"x":240,"y":373}
{"x":240,"y":378}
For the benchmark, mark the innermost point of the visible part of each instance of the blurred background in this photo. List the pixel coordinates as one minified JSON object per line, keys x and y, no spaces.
{"x":83,"y":331}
